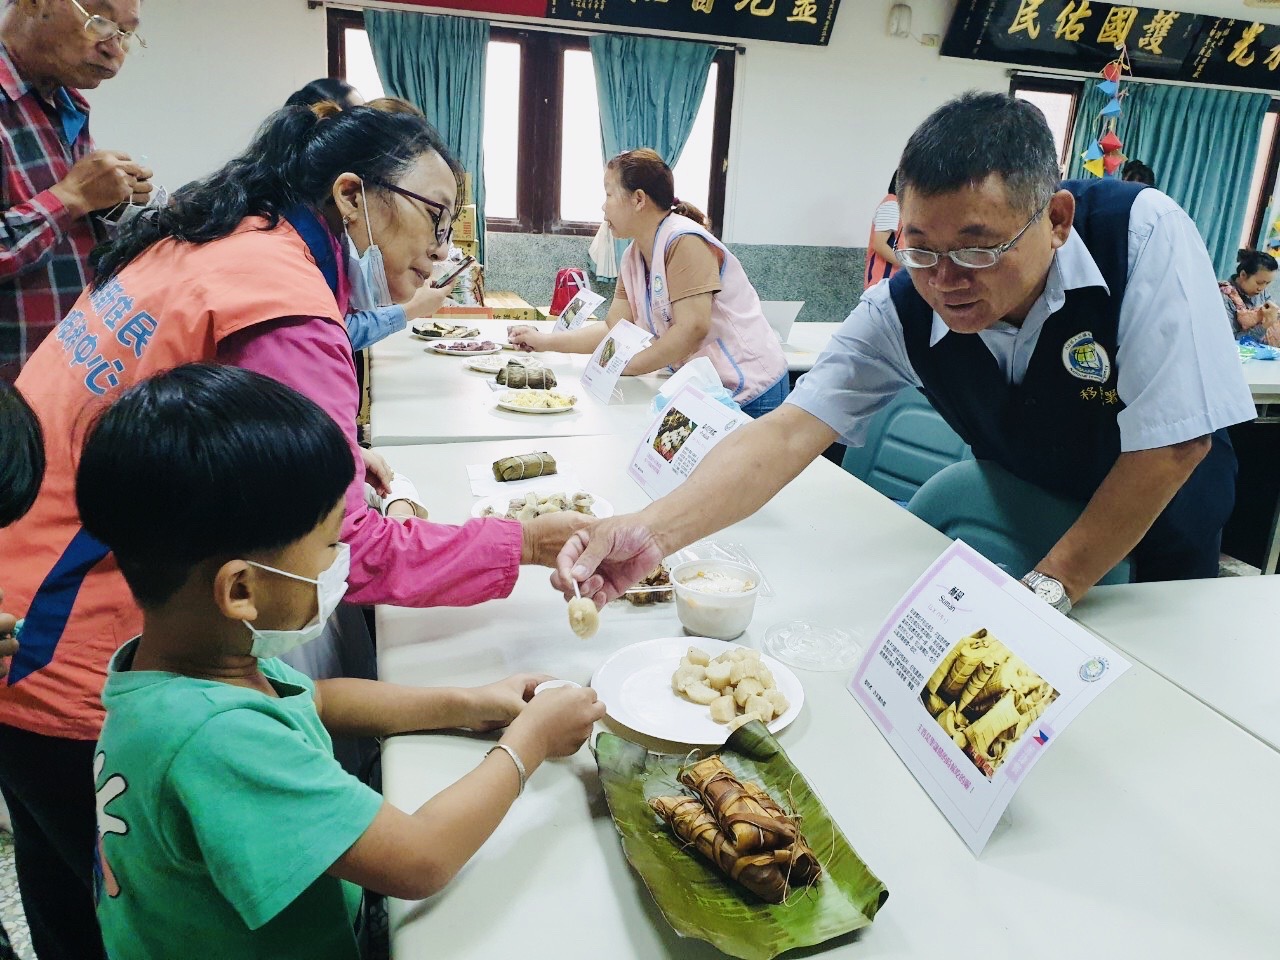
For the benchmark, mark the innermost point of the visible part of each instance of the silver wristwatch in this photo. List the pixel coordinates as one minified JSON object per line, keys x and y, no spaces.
{"x":1049,"y":590}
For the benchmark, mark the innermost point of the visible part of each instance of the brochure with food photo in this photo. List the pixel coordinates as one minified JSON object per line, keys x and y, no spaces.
{"x":678,"y":437}
{"x":605,"y":367}
{"x":577,"y":310}
{"x":971,"y":679}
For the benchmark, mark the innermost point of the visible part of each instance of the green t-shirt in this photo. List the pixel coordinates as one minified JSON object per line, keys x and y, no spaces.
{"x":220,"y":809}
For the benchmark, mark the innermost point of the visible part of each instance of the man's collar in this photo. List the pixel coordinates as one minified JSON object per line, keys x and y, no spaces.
{"x":11,"y":81}
{"x":1072,"y":268}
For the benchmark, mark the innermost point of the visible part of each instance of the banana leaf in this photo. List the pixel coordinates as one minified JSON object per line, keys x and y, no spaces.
{"x":695,"y":898}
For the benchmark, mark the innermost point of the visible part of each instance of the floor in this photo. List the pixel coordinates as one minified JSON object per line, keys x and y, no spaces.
{"x":11,"y":906}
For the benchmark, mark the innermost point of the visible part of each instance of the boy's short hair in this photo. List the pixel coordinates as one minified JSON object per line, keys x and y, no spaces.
{"x":22,"y":463}
{"x":205,"y":462}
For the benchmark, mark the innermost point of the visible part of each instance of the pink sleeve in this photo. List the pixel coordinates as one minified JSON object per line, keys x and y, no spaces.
{"x":409,"y":562}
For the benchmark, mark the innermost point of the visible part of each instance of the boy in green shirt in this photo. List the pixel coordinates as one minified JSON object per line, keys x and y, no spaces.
{"x":227,"y":829}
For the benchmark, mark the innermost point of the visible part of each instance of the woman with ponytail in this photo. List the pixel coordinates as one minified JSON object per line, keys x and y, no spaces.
{"x":680,"y":283}
{"x":254,"y":266}
{"x":1251,"y":311}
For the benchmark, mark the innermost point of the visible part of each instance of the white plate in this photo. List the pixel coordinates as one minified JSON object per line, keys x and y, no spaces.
{"x":635,"y":685}
{"x":442,"y":346}
{"x":502,"y":402}
{"x":491,"y":365}
{"x":600,"y":509}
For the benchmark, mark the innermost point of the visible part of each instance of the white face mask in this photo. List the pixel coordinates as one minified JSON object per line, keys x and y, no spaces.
{"x":367,"y":273}
{"x":331,"y":586}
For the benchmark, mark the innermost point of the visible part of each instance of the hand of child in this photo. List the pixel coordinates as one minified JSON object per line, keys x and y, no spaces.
{"x":558,"y":721}
{"x":497,"y":704}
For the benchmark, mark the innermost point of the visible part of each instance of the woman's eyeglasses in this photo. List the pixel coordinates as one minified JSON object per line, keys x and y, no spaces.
{"x":441,"y":216}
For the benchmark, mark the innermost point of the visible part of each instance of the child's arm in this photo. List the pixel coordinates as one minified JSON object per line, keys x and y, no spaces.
{"x":414,"y":856}
{"x":370,"y":708}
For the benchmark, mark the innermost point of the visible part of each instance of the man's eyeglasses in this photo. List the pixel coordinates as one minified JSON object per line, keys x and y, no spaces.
{"x":441,"y":216}
{"x":970,"y":258}
{"x":103,"y":30}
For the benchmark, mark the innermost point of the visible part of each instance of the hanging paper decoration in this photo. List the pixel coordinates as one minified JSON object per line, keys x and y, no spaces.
{"x":1103,"y":157}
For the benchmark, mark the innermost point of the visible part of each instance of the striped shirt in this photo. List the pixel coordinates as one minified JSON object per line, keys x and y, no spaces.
{"x":44,"y":250}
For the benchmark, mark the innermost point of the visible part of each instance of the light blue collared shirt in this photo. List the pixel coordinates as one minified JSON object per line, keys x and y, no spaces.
{"x":367,"y":327}
{"x":1177,"y":368}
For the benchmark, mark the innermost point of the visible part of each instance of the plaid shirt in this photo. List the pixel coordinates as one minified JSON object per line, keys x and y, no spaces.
{"x":44,"y":251}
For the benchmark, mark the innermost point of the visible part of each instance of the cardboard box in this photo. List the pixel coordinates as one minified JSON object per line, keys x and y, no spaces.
{"x":450,"y":312}
{"x":464,"y":225}
{"x":508,"y":306}
{"x":469,"y":247}
{"x":466,"y":189}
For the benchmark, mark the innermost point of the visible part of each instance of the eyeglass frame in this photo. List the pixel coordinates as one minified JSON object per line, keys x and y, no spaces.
{"x":126,"y":37}
{"x":996,"y":252}
{"x":435,"y":210}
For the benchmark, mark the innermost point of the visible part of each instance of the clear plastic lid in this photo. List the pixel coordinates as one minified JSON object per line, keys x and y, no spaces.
{"x":644,"y":595}
{"x":812,"y":646}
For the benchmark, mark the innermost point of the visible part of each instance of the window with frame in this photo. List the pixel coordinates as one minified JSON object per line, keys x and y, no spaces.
{"x":543,"y":166}
{"x":1262,"y":185}
{"x":1057,"y":100}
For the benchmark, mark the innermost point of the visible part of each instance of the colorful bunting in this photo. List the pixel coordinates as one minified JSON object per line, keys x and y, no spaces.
{"x":1111,"y":162}
{"x":1094,"y":152}
{"x":1109,"y":88}
{"x":1095,"y":167}
{"x":1109,"y":142}
{"x":1103,"y":156}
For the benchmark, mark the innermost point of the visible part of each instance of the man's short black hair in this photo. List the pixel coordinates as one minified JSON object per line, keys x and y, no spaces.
{"x":976,"y":135}
{"x":205,"y":462}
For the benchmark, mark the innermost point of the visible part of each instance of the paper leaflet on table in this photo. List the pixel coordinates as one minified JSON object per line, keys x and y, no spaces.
{"x":971,"y":678}
{"x":605,"y":367}
{"x":577,"y":310}
{"x":678,"y":437}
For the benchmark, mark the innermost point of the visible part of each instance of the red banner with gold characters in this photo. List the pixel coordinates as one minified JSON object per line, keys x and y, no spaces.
{"x":1079,"y":35}
{"x":786,"y":21}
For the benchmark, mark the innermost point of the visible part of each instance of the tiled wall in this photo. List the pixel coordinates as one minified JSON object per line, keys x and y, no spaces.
{"x":827,"y":279}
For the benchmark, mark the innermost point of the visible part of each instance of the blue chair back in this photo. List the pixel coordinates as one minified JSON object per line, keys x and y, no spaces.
{"x":1009,"y":521}
{"x":907,"y":443}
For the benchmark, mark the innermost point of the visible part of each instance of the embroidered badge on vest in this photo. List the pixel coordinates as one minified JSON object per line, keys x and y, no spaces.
{"x":657,"y":286}
{"x":1085,"y":358}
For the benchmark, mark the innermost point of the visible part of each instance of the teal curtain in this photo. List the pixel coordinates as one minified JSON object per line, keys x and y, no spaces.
{"x":649,"y":92}
{"x":438,"y":65}
{"x":1200,"y":141}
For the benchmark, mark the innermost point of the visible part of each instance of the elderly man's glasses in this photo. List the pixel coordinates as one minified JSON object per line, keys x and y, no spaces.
{"x":103,"y":30}
{"x":441,"y":216}
{"x":970,"y":258}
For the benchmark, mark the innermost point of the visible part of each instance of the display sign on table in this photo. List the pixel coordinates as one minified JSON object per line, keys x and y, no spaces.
{"x":971,"y":679}
{"x":605,"y":367}
{"x":679,"y":436}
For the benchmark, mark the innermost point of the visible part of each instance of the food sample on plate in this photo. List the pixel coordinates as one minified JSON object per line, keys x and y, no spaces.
{"x":516,"y":374}
{"x":536,"y":504}
{"x":655,"y":588}
{"x":492,"y":363}
{"x":524,"y":466}
{"x":467,"y":346}
{"x":741,"y":829}
{"x":435,"y":330}
{"x":539,"y":400}
{"x":736,"y":685}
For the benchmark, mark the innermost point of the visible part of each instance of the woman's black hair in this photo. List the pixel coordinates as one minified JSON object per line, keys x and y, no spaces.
{"x":326,"y":88}
{"x":205,"y":462}
{"x":22,"y":464}
{"x":1250,"y":262}
{"x":295,"y":158}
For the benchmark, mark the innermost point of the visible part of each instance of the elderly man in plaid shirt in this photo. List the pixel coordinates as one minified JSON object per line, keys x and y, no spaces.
{"x":51,"y":179}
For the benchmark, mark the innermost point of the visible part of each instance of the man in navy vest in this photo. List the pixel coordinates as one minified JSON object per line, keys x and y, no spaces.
{"x":1069,"y":332}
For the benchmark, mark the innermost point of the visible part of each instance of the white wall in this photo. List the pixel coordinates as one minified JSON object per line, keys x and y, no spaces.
{"x":209,"y":75}
{"x":818,"y":131}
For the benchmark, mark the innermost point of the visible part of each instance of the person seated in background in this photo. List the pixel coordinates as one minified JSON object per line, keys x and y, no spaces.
{"x":225,"y":820}
{"x":1039,"y":318}
{"x":326,"y":88}
{"x":681,"y":284}
{"x":1247,"y":298}
{"x":1135,"y":171}
{"x":369,"y":320}
{"x":882,"y":263}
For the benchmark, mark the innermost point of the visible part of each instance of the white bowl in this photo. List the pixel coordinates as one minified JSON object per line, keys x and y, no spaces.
{"x":553,"y":685}
{"x":719,"y":613}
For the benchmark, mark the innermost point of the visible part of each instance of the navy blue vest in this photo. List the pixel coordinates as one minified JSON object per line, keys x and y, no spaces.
{"x":1058,"y":428}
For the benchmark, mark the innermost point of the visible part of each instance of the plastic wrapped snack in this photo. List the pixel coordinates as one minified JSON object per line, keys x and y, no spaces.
{"x":524,"y":466}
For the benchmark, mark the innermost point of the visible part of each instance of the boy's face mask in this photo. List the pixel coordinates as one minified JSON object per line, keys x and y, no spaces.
{"x":331,"y":586}
{"x":367,"y":273}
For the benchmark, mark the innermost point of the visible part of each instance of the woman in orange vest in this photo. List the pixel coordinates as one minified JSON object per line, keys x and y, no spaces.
{"x":882,"y":263}
{"x":255,"y":266}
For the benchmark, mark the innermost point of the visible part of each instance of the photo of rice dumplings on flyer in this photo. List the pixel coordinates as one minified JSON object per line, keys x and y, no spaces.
{"x":985,"y":697}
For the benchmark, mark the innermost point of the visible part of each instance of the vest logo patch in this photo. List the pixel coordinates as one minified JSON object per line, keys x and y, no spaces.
{"x":657,"y":286}
{"x":1085,"y":358}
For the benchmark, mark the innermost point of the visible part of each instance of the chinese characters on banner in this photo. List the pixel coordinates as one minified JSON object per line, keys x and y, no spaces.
{"x":786,"y":21}
{"x":971,"y":679}
{"x":1080,"y":35}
